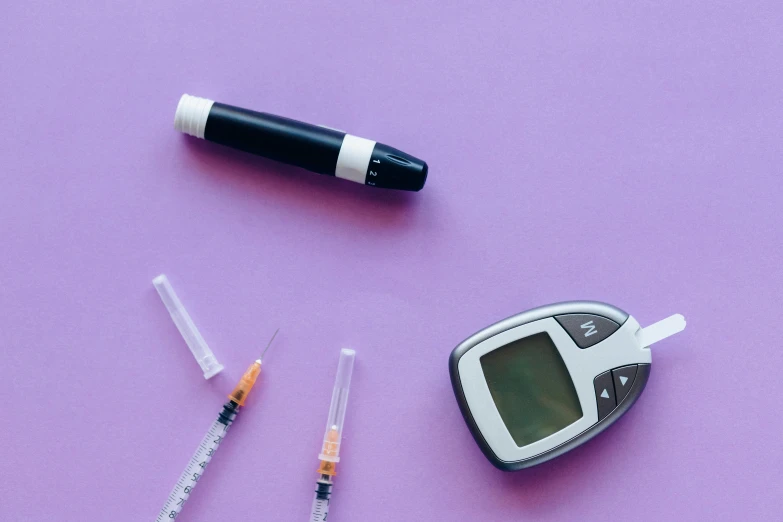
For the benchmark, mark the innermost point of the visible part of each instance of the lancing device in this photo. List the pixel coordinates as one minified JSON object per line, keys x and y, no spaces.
{"x":312,"y":147}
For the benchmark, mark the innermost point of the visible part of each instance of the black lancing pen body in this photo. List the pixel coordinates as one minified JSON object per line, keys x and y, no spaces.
{"x":312,"y":147}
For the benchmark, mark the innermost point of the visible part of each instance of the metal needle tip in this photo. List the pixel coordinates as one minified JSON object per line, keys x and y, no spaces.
{"x":268,"y":345}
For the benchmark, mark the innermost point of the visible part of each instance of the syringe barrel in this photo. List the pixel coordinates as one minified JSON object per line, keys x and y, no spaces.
{"x":197,"y":465}
{"x":323,"y":492}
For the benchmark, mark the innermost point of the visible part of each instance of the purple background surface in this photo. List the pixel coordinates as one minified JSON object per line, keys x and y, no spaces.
{"x":624,"y":151}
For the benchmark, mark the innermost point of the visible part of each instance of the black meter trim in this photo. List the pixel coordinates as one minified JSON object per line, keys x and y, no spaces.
{"x":588,"y":307}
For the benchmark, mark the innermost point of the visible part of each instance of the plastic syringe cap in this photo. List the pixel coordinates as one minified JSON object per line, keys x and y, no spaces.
{"x":198,"y":346}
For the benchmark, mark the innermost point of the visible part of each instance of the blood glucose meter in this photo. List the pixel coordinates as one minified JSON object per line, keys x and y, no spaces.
{"x":542,"y":382}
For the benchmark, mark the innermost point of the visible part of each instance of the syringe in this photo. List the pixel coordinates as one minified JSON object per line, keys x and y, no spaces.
{"x":330,"y":451}
{"x":209,"y":444}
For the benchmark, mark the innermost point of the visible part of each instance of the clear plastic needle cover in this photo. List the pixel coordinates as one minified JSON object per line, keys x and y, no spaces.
{"x":330,"y":451}
{"x":198,"y":346}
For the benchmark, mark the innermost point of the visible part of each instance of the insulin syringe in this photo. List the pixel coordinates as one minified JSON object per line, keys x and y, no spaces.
{"x":209,"y":444}
{"x":330,"y":451}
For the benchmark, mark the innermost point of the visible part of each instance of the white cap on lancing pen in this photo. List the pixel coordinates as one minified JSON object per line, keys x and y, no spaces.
{"x":198,"y":346}
{"x":191,"y":116}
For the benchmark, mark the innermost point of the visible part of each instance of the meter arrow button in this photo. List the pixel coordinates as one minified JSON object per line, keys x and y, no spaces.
{"x":604,"y":394}
{"x":623,"y":380}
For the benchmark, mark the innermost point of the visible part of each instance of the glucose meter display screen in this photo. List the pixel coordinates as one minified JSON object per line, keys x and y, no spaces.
{"x":531,"y":387}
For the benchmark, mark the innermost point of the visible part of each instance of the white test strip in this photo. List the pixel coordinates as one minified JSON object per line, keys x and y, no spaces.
{"x":661,"y":330}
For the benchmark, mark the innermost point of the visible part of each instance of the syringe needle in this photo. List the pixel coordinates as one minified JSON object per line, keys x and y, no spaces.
{"x":248,"y":380}
{"x":268,"y":344}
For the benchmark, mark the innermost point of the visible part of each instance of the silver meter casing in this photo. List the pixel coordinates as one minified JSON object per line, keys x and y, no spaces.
{"x":601,"y":351}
